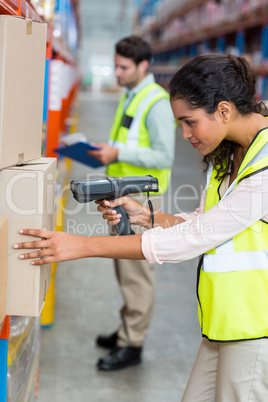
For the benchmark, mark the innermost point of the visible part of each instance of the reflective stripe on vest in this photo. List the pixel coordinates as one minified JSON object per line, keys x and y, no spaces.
{"x":233,"y":280}
{"x":134,"y":130}
{"x":136,"y":135}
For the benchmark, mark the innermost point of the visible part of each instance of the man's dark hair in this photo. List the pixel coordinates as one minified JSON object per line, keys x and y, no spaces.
{"x":135,"y":48}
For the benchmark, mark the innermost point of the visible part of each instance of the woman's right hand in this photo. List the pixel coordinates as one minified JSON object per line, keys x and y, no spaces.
{"x":138,"y":214}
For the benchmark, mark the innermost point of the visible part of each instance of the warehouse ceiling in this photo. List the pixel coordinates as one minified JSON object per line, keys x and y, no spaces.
{"x":105,"y":19}
{"x":102,"y":24}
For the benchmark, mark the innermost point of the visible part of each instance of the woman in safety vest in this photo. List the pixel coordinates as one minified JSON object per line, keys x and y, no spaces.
{"x":213,"y":96}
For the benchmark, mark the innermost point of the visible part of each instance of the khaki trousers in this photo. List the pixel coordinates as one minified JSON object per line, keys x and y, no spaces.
{"x":229,"y":372}
{"x":136,"y":280}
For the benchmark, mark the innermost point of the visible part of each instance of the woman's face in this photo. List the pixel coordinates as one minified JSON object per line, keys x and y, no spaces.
{"x":205,"y":132}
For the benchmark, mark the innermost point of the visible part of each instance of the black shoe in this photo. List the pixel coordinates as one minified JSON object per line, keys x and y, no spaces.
{"x":107,"y":341}
{"x":120,"y":358}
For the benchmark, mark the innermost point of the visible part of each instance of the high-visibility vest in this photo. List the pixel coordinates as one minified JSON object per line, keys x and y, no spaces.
{"x":129,"y":131}
{"x":232,"y":285}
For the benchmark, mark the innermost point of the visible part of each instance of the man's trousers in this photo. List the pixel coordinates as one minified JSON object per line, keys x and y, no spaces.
{"x":136,"y":280}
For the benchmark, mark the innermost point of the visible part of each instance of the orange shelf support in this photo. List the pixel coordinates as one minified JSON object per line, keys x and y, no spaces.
{"x":4,"y":335}
{"x":5,"y":328}
{"x":20,"y":8}
{"x":9,"y":7}
{"x":53,"y":132}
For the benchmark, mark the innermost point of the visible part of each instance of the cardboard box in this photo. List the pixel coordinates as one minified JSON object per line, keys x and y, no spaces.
{"x":27,"y":195}
{"x":3,"y":267}
{"x":22,"y":70}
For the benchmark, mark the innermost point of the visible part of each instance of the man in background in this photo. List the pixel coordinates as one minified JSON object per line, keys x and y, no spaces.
{"x":142,"y":142}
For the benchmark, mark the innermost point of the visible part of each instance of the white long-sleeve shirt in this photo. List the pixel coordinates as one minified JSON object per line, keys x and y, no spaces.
{"x":202,"y":231}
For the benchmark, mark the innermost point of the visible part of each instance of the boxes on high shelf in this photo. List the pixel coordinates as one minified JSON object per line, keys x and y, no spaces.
{"x":22,"y":70}
{"x":3,"y":267}
{"x":27,"y":195}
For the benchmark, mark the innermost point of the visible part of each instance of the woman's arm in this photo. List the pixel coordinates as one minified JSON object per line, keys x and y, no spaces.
{"x":61,"y":246}
{"x":245,"y":205}
{"x":138,"y":214}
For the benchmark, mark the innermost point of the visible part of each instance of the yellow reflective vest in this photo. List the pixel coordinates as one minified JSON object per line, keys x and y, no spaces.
{"x":129,"y":131}
{"x":232,"y":286}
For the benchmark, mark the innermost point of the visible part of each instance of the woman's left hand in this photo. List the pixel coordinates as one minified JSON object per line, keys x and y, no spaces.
{"x":53,"y":246}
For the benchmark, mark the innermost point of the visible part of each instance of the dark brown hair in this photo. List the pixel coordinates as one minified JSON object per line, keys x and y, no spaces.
{"x":135,"y":48}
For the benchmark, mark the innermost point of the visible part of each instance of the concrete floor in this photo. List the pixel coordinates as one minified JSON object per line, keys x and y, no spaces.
{"x":88,"y":299}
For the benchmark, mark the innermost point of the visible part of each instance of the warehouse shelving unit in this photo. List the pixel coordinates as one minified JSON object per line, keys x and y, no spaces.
{"x":4,"y":335}
{"x":184,"y":29}
{"x":62,"y":81}
{"x":21,"y":8}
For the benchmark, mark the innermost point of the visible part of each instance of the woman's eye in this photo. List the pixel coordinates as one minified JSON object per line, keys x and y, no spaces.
{"x":190,"y":123}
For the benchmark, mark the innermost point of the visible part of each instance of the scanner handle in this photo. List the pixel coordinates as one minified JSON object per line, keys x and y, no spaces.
{"x":123,"y":228}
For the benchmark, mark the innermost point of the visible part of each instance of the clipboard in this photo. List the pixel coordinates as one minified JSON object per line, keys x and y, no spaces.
{"x":78,"y":152}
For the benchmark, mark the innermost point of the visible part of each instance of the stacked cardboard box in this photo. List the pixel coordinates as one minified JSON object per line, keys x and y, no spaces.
{"x":27,"y":181}
{"x":22,"y":67}
{"x":27,"y":198}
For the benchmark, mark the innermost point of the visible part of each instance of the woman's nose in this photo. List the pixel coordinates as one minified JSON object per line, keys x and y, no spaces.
{"x":186,"y":134}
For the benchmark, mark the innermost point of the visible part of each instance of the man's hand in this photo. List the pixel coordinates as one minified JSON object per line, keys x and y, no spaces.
{"x":106,"y":154}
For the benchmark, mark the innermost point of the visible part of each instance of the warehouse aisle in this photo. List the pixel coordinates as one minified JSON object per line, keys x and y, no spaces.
{"x":88,"y":299}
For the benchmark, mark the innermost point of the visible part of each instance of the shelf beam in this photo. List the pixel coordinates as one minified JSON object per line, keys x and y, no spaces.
{"x":8,"y":8}
{"x":212,"y":32}
{"x":20,"y":8}
{"x":185,"y":8}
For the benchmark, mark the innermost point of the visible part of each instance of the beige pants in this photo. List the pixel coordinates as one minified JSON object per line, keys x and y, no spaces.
{"x":136,"y":280}
{"x":229,"y":372}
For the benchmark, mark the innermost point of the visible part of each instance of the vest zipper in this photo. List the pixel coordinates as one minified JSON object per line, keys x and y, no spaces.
{"x":219,"y":188}
{"x":197,"y":286}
